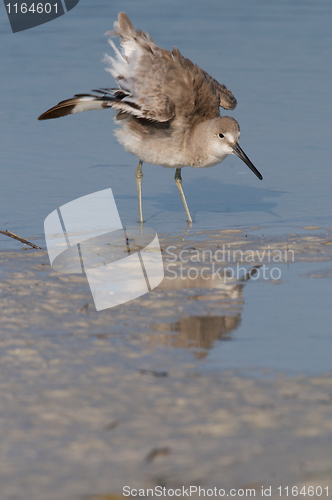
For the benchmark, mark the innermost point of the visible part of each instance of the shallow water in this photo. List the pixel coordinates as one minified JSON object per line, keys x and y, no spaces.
{"x":188,"y":374}
{"x":262,"y":317}
{"x":284,"y":327}
{"x":274,"y":57}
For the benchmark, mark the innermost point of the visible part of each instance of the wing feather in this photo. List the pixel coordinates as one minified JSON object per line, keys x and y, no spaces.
{"x":77,"y":104}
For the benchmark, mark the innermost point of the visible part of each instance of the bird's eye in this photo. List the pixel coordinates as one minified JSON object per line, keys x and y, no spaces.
{"x":221,"y":136}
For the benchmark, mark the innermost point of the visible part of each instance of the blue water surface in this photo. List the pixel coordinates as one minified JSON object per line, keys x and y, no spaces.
{"x":276,"y":59}
{"x":274,"y":56}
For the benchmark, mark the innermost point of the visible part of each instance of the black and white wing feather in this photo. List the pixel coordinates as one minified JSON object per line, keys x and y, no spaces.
{"x":108,"y":98}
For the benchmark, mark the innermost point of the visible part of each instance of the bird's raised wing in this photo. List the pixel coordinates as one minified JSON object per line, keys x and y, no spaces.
{"x":160,"y":84}
{"x":154,"y":84}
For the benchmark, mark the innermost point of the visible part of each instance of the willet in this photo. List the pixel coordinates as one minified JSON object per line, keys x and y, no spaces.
{"x":167,"y":108}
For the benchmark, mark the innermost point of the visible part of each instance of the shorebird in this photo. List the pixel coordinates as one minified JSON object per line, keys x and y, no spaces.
{"x":167,"y":108}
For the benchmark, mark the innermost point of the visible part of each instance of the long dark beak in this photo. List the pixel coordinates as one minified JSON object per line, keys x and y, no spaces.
{"x":241,"y":154}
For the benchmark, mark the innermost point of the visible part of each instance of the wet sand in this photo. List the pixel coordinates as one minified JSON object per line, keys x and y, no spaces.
{"x":92,"y":402}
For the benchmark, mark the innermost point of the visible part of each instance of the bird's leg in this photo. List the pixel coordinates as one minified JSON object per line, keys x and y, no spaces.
{"x":139,"y":177}
{"x":178,"y":181}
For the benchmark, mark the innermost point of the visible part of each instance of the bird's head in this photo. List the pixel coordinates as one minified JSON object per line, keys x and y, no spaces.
{"x":226,"y":132}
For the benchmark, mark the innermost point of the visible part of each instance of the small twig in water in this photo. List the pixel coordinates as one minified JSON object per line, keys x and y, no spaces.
{"x":22,"y":240}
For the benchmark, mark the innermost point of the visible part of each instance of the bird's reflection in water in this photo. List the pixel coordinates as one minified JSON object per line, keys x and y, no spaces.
{"x":223,"y":316}
{"x":197,"y":333}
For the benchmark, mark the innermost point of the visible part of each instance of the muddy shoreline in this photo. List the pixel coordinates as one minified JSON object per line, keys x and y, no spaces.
{"x":92,"y":402}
